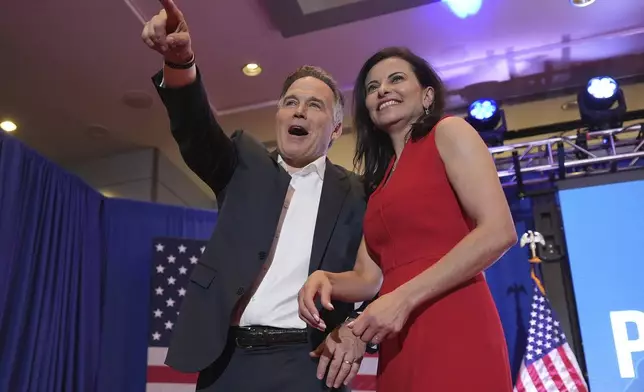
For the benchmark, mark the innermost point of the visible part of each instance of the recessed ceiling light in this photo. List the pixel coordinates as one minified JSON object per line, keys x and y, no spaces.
{"x":581,"y":3}
{"x":97,"y":131}
{"x":107,"y":193}
{"x":8,"y":126}
{"x":252,"y":69}
{"x":137,"y":99}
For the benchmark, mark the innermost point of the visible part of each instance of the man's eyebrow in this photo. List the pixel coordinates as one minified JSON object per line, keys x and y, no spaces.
{"x":310,"y":99}
{"x":318,"y":100}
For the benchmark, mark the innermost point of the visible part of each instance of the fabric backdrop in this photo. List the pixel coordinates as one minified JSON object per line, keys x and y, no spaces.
{"x":50,"y":275}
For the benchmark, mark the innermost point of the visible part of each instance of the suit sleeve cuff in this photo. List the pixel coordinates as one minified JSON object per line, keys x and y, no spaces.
{"x":184,"y":104}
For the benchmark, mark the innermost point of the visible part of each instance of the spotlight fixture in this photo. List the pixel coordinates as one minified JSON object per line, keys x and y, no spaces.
{"x":8,"y":126}
{"x":464,"y":8}
{"x":602,"y":104}
{"x":252,"y":69}
{"x":581,"y":3}
{"x":489,"y":120}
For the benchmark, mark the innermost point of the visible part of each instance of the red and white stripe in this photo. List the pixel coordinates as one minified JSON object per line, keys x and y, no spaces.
{"x":556,"y":372}
{"x":161,"y":378}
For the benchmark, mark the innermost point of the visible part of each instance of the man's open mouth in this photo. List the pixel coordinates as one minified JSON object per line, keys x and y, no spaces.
{"x":297,"y":130}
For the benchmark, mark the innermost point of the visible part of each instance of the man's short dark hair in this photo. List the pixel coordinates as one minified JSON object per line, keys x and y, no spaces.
{"x":320,"y":74}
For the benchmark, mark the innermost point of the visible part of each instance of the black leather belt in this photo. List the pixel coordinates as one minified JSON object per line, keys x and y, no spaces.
{"x":266,"y":336}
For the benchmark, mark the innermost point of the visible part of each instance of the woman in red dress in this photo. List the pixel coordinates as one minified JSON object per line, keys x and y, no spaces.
{"x":436,"y":219}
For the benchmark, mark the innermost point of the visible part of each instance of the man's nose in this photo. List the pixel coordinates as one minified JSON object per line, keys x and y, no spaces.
{"x":300,"y":112}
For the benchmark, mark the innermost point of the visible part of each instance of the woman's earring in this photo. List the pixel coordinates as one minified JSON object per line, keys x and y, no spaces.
{"x":426,"y":111}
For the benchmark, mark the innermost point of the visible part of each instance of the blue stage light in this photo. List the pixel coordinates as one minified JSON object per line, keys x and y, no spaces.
{"x":602,"y":87}
{"x":483,"y":109}
{"x":464,"y":8}
{"x":487,"y":117}
{"x":602,"y":104}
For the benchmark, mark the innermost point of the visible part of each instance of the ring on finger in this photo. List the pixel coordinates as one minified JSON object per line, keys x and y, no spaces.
{"x":348,"y":362}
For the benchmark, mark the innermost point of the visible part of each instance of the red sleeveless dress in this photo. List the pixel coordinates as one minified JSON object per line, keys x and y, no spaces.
{"x":454,"y":343}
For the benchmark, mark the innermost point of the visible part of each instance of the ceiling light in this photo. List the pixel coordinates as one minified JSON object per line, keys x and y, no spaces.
{"x":464,"y":8}
{"x":581,"y":3}
{"x":8,"y":126}
{"x":252,"y":69}
{"x":137,"y":99}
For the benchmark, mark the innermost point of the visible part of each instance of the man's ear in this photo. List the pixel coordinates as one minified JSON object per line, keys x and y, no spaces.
{"x":337,"y":132}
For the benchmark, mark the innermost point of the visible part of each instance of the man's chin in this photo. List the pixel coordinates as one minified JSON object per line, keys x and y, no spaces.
{"x":297,"y":157}
{"x":293,"y":151}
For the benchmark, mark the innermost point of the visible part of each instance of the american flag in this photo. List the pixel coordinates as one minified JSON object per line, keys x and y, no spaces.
{"x":173,"y":260}
{"x":549,"y":365}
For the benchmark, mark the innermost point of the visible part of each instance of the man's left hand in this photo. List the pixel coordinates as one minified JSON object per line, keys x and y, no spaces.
{"x":342,"y":353}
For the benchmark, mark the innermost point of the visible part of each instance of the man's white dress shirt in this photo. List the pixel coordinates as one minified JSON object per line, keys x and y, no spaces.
{"x":273,"y":298}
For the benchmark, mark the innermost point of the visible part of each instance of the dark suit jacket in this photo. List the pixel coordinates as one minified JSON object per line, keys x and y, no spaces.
{"x":250,"y":187}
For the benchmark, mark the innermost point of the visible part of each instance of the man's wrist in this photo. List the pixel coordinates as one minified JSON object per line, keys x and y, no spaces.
{"x":180,"y":59}
{"x":182,"y":63}
{"x":370,"y":347}
{"x":177,"y":78}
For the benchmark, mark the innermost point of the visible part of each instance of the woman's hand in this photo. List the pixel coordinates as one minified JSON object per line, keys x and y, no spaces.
{"x":318,"y":284}
{"x":383,"y":318}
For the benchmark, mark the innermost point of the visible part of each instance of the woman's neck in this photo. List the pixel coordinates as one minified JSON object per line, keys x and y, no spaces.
{"x":398,"y":139}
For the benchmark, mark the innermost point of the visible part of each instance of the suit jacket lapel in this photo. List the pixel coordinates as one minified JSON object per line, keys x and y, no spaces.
{"x":273,"y":154}
{"x":334,"y":191}
{"x":283,"y":178}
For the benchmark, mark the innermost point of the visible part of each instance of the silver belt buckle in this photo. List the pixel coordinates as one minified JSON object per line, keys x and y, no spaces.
{"x":239,"y":345}
{"x":237,"y":338}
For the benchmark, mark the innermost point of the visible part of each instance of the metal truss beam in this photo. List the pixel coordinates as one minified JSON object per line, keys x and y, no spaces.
{"x":566,"y":156}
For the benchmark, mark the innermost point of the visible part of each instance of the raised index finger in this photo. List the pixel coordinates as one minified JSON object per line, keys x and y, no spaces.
{"x":171,"y":9}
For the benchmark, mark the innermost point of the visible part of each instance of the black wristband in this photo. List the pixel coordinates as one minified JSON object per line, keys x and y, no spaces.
{"x":372,"y":348}
{"x":187,"y":65}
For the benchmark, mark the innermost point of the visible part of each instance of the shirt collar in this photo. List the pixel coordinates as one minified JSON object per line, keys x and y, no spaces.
{"x":317,"y":166}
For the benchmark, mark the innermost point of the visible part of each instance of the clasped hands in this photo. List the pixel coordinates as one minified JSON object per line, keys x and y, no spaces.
{"x":382,"y":319}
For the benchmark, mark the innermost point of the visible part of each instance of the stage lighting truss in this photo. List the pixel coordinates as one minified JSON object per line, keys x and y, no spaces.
{"x":562,"y":157}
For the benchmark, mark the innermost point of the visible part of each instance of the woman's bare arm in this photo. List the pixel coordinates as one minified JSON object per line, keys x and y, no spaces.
{"x":472,"y":173}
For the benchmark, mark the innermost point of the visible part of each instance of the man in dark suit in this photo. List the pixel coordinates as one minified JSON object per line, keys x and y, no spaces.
{"x":282,"y":215}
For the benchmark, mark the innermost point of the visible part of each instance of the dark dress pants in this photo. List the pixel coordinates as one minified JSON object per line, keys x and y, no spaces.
{"x":278,"y":368}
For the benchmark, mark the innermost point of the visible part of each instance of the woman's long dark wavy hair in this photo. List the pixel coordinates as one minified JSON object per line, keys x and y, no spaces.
{"x":374,"y":149}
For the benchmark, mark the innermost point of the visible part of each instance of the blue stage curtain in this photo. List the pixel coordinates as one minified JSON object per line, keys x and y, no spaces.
{"x":130,"y":228}
{"x":50,"y":275}
{"x":511,"y":286}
